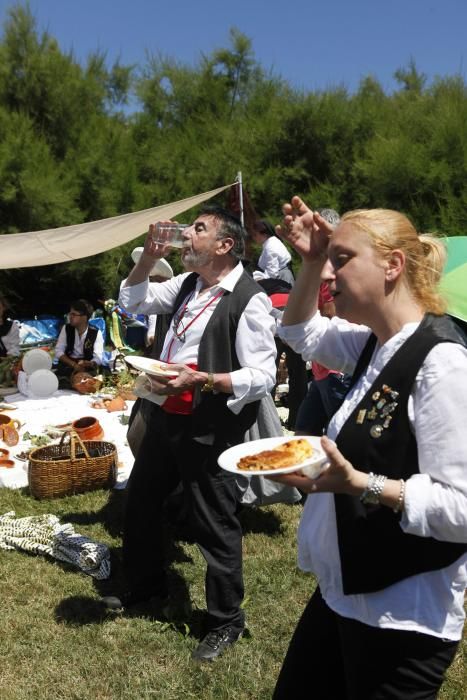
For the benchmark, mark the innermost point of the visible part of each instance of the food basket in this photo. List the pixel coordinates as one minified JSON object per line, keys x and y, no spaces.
{"x":72,"y":466}
{"x":85,"y":383}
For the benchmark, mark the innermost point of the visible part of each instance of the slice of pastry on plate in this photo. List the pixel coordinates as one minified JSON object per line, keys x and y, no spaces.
{"x":285,"y":455}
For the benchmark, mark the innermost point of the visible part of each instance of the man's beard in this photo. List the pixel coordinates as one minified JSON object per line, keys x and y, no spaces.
{"x":192,"y":261}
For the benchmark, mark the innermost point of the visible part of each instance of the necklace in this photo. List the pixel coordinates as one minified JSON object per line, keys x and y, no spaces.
{"x":178,"y":321}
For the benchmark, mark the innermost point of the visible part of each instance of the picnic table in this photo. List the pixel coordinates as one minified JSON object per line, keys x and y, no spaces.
{"x":35,"y":415}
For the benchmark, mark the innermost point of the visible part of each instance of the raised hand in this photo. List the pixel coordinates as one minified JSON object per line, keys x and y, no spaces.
{"x":306,"y":231}
{"x":152,"y":248}
{"x":152,"y":251}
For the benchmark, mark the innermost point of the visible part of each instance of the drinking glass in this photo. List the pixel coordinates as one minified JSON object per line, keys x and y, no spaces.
{"x":169,"y":234}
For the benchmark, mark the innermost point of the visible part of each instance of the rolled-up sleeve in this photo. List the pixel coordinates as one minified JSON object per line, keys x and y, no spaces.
{"x":256,"y":352}
{"x":150,"y":297}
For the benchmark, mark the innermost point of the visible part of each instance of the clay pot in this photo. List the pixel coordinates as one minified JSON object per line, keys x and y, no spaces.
{"x":88,"y":428}
{"x":7,"y":463}
{"x":7,"y":420}
{"x":9,"y":435}
{"x":115,"y":404}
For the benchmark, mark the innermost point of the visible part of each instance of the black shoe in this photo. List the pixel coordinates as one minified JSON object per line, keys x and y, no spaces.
{"x":132,"y":599}
{"x":215,"y":643}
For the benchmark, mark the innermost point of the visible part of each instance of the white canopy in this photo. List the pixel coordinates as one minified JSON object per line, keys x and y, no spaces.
{"x":67,"y":243}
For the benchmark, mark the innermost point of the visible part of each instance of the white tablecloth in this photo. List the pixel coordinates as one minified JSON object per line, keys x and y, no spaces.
{"x":62,"y":407}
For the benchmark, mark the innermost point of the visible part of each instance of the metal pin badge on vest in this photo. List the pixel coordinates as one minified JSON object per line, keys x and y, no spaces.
{"x":387,"y":390}
{"x":361,"y":416}
{"x":384,"y":404}
{"x":376,"y":430}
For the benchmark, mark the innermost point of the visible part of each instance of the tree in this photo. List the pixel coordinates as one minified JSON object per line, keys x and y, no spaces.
{"x":70,"y":153}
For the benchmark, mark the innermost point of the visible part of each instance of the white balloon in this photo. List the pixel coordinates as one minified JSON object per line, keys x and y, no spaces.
{"x":36,"y":359}
{"x":42,"y":383}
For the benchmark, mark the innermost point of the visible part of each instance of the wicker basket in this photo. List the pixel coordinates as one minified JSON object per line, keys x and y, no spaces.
{"x":72,"y":467}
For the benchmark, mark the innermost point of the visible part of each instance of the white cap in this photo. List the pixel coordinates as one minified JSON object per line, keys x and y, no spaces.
{"x":161,"y":267}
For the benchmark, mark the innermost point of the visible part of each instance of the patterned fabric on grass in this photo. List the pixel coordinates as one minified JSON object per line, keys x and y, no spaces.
{"x":43,"y":534}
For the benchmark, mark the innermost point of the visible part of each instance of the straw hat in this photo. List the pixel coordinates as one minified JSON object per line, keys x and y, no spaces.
{"x":161,"y":267}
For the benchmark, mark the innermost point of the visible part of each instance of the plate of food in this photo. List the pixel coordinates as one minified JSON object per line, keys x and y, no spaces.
{"x":150,"y":366}
{"x":276,"y":455}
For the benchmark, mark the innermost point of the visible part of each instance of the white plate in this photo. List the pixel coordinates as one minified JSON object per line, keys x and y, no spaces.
{"x":313,"y":466}
{"x":36,"y":359}
{"x":150,"y":366}
{"x":42,"y":383}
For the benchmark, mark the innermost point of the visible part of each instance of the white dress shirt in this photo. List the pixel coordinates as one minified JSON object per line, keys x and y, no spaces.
{"x":78,"y":347}
{"x":254,"y":342}
{"x":274,"y":258}
{"x":435,"y":503}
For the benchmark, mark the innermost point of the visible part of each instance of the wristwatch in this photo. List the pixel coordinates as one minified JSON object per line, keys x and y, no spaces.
{"x":209,"y":384}
{"x":374,"y":488}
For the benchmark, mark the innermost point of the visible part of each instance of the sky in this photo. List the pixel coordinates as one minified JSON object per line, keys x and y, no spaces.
{"x":312,"y":45}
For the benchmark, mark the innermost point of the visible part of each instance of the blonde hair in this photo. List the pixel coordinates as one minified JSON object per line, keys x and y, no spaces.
{"x":425,"y":254}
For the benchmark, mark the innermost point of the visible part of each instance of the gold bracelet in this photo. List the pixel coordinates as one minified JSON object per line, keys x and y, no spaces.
{"x":209,"y":384}
{"x":400,"y":500}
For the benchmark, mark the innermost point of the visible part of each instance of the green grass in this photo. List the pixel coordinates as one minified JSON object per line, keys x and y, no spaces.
{"x":57,"y":644}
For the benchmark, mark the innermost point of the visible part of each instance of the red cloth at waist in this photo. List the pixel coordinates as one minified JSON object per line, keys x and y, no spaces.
{"x":181,"y":404}
{"x":279,"y":300}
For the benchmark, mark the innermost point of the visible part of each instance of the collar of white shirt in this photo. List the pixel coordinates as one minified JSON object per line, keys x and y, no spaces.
{"x":229,"y":281}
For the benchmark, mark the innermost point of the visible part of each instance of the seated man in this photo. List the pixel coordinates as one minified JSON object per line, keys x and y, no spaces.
{"x":80,"y":347}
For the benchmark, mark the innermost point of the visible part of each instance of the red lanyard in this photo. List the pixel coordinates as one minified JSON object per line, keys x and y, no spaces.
{"x":182,"y":313}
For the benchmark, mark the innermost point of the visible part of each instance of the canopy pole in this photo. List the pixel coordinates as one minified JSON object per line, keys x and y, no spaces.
{"x":240,"y":196}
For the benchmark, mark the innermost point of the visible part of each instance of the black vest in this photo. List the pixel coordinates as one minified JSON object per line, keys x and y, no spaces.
{"x":217,"y":354}
{"x":374,"y":551}
{"x":5,"y":328}
{"x":88,"y":348}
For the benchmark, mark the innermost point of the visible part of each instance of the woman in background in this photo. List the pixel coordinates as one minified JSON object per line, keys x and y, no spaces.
{"x":275,"y":260}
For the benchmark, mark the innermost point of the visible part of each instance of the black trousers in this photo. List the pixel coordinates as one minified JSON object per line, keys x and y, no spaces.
{"x":335,"y":658}
{"x":166,"y":457}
